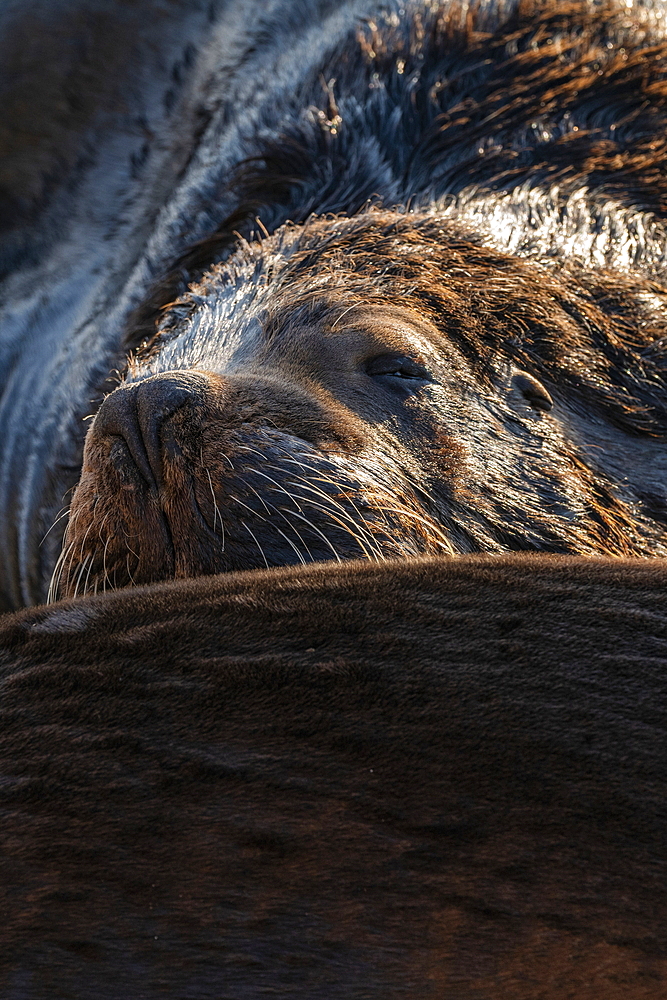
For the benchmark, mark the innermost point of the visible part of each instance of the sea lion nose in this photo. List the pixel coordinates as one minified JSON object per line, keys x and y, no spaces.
{"x":136,"y":412}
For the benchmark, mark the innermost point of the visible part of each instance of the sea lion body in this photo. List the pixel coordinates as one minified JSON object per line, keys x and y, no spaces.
{"x":438,"y":777}
{"x":497,"y":238}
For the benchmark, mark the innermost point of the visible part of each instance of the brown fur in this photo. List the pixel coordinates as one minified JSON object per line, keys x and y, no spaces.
{"x":439,"y":778}
{"x":293,"y":452}
{"x":504,"y":156}
{"x":428,"y":778}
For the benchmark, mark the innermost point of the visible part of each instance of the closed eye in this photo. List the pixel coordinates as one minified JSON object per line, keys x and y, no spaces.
{"x":399,"y":367}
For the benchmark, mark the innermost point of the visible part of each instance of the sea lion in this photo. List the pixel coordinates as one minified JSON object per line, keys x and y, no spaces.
{"x":369,"y":387}
{"x":425,"y":271}
{"x":426,"y":778}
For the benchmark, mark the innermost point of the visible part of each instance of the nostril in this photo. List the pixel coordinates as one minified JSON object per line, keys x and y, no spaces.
{"x":117,"y":417}
{"x":157,"y":400}
{"x":136,"y":413}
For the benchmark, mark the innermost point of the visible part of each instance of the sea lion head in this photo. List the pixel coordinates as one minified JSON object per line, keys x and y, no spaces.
{"x":377,"y":386}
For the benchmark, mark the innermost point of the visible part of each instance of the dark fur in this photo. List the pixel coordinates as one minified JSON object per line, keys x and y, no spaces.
{"x":432,"y":779}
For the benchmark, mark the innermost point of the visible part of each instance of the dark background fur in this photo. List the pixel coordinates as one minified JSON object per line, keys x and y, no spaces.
{"x":112,"y":115}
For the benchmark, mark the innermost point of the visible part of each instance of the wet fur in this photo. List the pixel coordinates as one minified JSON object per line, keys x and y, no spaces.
{"x":547,"y":102}
{"x":466,"y":463}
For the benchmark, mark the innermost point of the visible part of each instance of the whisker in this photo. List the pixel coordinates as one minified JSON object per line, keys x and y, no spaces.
{"x":104,"y":521}
{"x":354,"y":305}
{"x":67,"y":570}
{"x":216,"y":512}
{"x":430,"y":526}
{"x":259,"y":497}
{"x":305,"y":484}
{"x":66,"y":556}
{"x":129,"y":571}
{"x":82,"y":569}
{"x":129,"y":548}
{"x":56,"y":576}
{"x":358,"y":538}
{"x":438,"y":537}
{"x":291,"y":543}
{"x":363,"y":534}
{"x":294,"y":529}
{"x":254,"y":451}
{"x":275,"y":483}
{"x":281,"y":489}
{"x":362,"y":523}
{"x":274,"y":526}
{"x":85,"y":586}
{"x":54,"y":579}
{"x":104,"y":566}
{"x":63,"y":512}
{"x":261,"y":550}
{"x":253,"y":512}
{"x":83,"y":540}
{"x":313,"y":527}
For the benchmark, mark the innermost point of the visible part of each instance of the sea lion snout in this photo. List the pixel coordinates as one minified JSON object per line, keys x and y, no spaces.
{"x":136,"y":413}
{"x":187,"y":473}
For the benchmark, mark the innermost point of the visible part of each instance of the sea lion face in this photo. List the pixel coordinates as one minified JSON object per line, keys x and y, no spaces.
{"x":348,"y":388}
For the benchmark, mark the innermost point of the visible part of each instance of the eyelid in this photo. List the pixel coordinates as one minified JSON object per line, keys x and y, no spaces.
{"x":392,"y":364}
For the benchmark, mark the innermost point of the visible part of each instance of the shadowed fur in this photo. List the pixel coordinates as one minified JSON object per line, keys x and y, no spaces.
{"x":421,"y":779}
{"x":417,"y":308}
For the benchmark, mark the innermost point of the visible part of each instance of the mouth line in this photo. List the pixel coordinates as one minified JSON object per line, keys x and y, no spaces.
{"x":169,"y":540}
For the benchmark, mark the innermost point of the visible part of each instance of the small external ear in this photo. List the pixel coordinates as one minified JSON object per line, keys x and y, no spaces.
{"x":532,"y":391}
